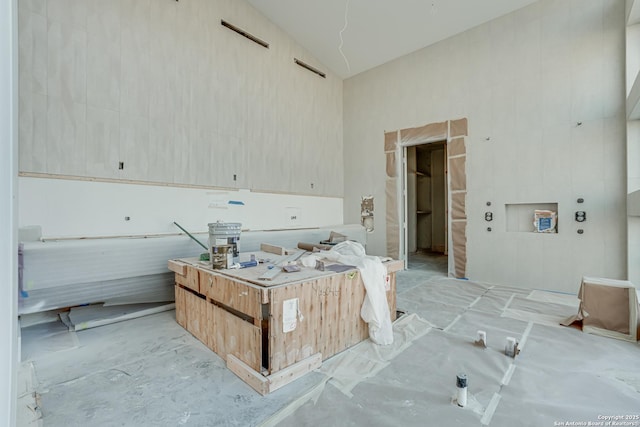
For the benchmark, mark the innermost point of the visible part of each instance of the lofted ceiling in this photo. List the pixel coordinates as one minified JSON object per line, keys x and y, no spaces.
{"x":376,"y":31}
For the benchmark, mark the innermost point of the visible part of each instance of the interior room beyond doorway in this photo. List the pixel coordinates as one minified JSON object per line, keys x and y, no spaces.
{"x":427,"y":202}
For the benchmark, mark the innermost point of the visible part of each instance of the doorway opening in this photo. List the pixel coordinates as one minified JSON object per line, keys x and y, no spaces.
{"x":396,"y":143}
{"x":426,"y":206}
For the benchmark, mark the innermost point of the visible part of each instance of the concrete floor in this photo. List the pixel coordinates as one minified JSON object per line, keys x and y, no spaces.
{"x":150,"y":371}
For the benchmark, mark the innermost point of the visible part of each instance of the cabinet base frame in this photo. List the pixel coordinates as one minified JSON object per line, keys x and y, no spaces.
{"x":267,"y":384}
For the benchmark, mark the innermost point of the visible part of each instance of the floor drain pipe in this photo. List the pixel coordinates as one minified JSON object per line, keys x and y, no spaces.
{"x":461,"y":383}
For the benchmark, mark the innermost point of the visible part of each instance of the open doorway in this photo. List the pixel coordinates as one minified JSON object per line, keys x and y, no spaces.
{"x":426,"y":206}
{"x":396,"y":144}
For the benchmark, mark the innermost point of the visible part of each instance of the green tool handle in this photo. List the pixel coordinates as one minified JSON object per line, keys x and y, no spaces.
{"x":189,"y":234}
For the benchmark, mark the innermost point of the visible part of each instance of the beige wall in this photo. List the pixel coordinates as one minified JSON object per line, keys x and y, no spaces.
{"x":164,"y":88}
{"x":10,"y":352}
{"x":524,"y":81}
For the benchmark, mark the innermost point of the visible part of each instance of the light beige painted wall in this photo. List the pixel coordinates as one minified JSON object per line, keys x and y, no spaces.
{"x":164,"y":88}
{"x":524,"y":81}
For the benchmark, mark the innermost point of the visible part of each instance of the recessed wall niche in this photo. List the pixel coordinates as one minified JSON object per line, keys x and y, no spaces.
{"x":520,"y":217}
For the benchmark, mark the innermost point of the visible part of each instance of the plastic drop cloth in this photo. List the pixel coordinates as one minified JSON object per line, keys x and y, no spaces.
{"x":375,"y":310}
{"x":561,"y":376}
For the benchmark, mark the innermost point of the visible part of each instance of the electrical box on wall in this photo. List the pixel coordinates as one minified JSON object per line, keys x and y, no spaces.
{"x":292,"y":215}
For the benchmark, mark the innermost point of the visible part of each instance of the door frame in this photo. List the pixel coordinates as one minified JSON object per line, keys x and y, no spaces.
{"x":455,"y":133}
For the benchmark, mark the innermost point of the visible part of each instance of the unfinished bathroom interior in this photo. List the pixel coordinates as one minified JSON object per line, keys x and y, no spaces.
{"x":189,"y":189}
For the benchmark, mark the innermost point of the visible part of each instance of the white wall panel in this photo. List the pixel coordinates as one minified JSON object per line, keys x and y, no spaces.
{"x":135,"y":64}
{"x":134,"y":146}
{"x":68,"y":12}
{"x":103,"y":140}
{"x":66,"y":62}
{"x":71,"y":208}
{"x":103,"y":54}
{"x":531,"y":76}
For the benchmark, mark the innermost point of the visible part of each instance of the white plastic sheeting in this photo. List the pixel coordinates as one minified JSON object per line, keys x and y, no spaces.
{"x":65,"y":273}
{"x":103,"y":376}
{"x":561,"y":375}
{"x":139,"y":289}
{"x":375,"y":309}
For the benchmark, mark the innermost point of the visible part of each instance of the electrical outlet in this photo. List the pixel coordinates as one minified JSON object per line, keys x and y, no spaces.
{"x":292,"y":215}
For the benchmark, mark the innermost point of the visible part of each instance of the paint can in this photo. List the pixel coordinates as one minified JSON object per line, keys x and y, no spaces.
{"x":461,"y":384}
{"x":225,"y":233}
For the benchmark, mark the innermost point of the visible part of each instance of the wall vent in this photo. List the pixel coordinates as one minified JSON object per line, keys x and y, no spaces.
{"x":244,"y":33}
{"x":310,"y":68}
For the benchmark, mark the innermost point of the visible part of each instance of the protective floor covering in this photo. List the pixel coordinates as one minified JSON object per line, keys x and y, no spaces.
{"x":151,"y":372}
{"x":561,"y":376}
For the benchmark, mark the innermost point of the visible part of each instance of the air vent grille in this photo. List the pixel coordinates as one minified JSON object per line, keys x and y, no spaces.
{"x":244,"y":34}
{"x":310,"y":68}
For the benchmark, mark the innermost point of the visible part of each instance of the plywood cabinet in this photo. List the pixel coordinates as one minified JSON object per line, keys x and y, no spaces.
{"x":272,"y":333}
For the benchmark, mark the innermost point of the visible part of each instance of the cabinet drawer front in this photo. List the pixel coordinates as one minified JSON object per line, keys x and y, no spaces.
{"x":235,"y":336}
{"x":190,"y":279}
{"x":236,"y":295}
